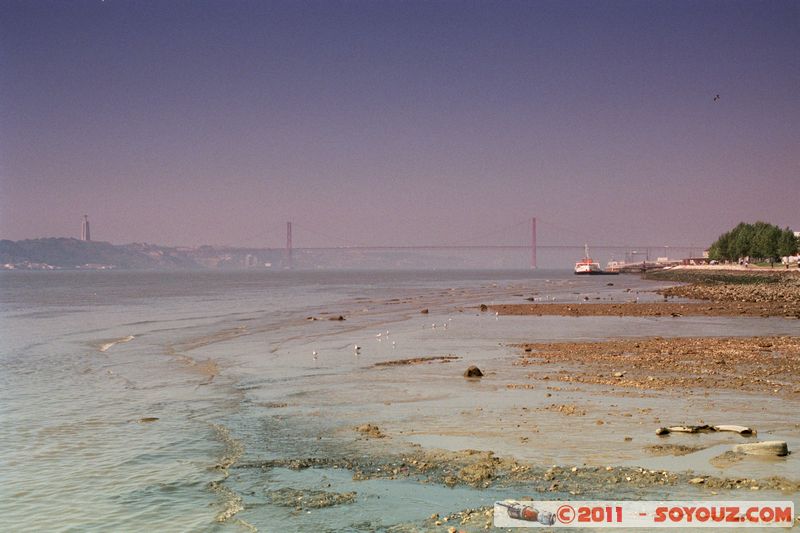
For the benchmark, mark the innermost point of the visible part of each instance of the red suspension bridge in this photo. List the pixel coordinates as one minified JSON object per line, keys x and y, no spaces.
{"x":638,"y":252}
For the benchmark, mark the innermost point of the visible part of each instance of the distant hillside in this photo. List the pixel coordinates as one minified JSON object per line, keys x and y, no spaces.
{"x":73,"y":253}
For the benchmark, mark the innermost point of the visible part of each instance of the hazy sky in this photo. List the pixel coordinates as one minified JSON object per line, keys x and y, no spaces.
{"x":398,"y":122}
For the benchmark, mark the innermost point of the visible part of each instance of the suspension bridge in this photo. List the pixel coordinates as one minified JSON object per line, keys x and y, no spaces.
{"x":630,"y":252}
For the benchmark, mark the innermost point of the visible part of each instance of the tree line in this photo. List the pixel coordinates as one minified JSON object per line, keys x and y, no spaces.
{"x":759,"y":241}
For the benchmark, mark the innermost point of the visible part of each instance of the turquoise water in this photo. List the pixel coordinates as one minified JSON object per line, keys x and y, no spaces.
{"x":128,"y":399}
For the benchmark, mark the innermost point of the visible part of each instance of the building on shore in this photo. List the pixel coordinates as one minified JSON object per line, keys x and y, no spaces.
{"x":85,"y":232}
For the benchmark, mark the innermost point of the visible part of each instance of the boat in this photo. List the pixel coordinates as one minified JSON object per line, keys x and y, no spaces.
{"x":588,"y":266}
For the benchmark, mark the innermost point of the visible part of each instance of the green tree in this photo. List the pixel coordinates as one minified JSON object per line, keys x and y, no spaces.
{"x":720,"y":250}
{"x":787,"y":243}
{"x":760,"y":240}
{"x":742,"y":241}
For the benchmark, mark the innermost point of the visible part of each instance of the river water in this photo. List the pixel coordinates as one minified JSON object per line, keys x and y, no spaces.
{"x":129,"y":398}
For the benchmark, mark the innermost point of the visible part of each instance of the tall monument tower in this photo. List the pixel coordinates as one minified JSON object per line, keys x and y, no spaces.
{"x":85,"y":234}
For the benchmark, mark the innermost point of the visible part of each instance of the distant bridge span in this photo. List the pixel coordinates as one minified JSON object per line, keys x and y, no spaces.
{"x":497,"y":247}
{"x":629,"y":249}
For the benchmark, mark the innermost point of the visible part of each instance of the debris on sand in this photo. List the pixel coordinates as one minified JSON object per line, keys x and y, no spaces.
{"x":672,"y":449}
{"x":567,"y":409}
{"x":420,"y":360}
{"x":309,"y":499}
{"x":483,"y":469}
{"x":729,"y":458}
{"x":473,"y":372}
{"x":768,"y":364}
{"x":148,"y":419}
{"x":370,"y":430}
{"x":741,"y":430}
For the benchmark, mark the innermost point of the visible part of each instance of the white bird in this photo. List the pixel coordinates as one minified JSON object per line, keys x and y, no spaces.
{"x":356,"y":348}
{"x":378,"y":335}
{"x":314,"y":353}
{"x":394,"y":344}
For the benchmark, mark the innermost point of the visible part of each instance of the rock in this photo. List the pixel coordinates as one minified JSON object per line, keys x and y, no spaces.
{"x":473,"y":372}
{"x":619,"y":374}
{"x":697,"y":480}
{"x":147,"y":419}
{"x":340,"y":317}
{"x":424,"y":311}
{"x":769,"y":447}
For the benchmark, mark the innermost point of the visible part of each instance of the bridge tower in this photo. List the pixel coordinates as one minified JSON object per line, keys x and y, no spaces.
{"x":288,"y":251}
{"x":533,"y":243}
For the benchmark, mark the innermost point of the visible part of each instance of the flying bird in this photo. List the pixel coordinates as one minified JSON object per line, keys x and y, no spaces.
{"x":716,"y":98}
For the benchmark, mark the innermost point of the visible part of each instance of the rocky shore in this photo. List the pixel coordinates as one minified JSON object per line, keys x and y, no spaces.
{"x":756,"y":293}
{"x":757,"y":364}
{"x":769,"y":288}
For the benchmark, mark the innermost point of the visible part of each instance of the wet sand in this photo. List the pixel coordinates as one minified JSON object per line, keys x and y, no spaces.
{"x":552,"y":420}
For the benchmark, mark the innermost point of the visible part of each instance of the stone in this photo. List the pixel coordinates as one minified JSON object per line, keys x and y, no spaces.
{"x":769,"y":447}
{"x":473,"y":372}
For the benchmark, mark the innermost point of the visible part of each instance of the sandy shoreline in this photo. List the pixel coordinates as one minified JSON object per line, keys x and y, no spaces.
{"x":553,"y":420}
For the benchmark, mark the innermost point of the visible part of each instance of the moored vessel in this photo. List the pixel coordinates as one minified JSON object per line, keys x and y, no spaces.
{"x":588,"y":266}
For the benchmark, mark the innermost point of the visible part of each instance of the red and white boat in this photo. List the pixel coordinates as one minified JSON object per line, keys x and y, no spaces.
{"x":588,"y":266}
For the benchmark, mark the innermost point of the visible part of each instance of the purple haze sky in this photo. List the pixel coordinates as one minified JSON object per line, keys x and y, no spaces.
{"x":388,"y":122}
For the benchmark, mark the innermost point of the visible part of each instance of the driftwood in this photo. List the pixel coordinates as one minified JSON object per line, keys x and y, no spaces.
{"x":741,"y":430}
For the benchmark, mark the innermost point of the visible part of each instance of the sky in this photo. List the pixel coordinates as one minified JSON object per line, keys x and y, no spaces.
{"x":391,"y":122}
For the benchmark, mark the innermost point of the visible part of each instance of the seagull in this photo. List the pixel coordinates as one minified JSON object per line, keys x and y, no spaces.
{"x":716,"y":98}
{"x":314,"y":353}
